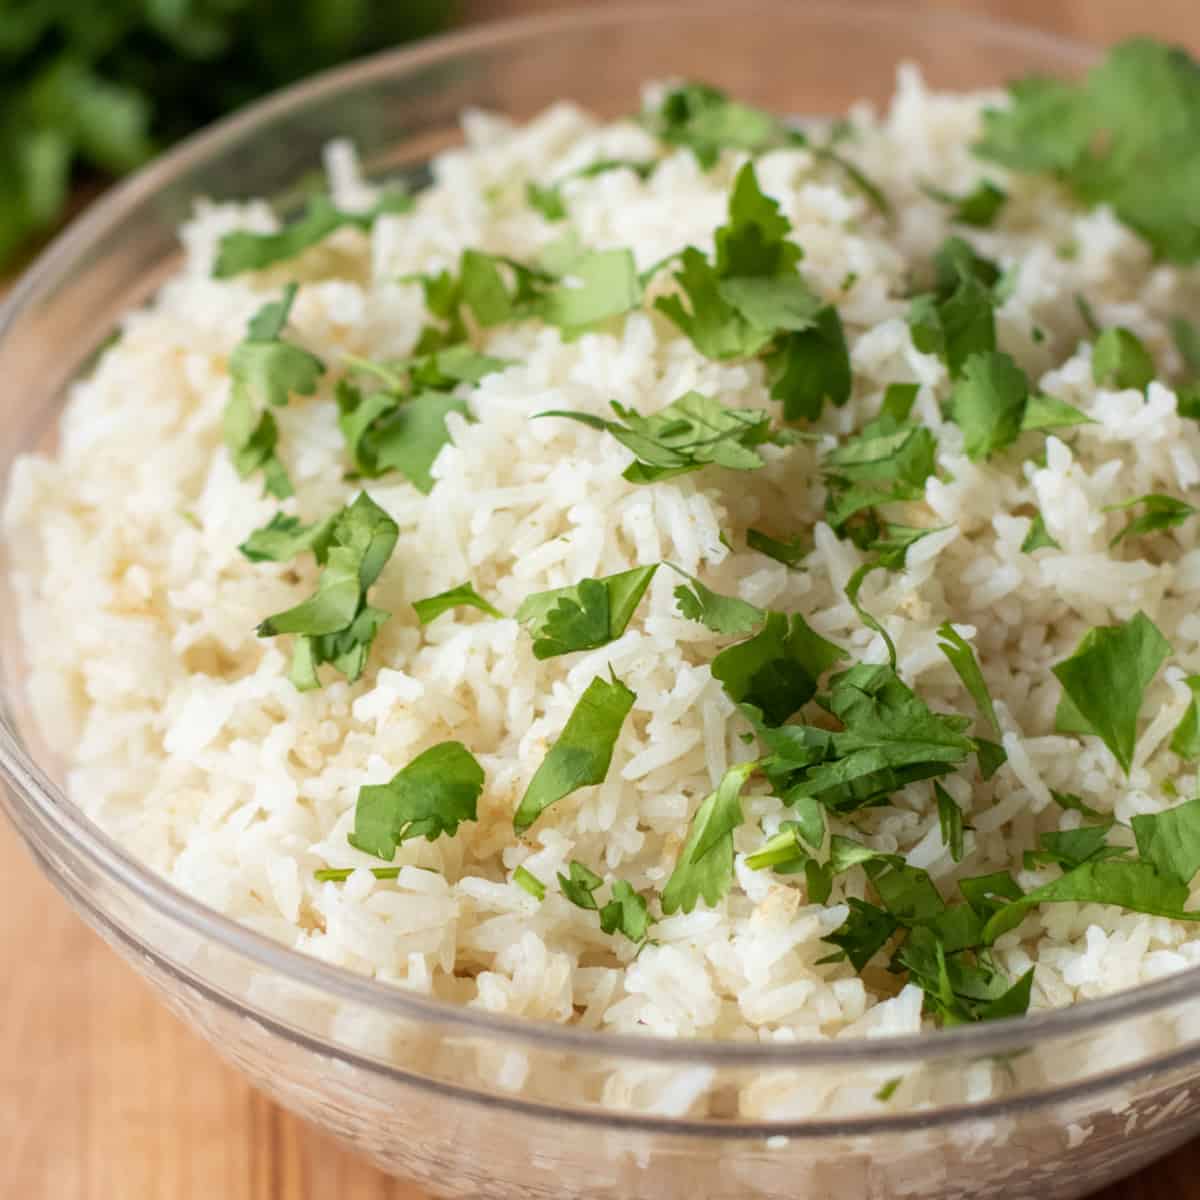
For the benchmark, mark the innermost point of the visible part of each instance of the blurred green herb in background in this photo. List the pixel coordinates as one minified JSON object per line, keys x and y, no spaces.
{"x":101,"y":85}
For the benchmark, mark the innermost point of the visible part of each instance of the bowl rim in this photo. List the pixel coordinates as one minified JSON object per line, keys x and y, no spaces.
{"x":36,"y":802}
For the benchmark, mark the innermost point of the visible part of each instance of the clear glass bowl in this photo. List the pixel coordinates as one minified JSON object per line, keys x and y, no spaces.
{"x":463,"y":1102}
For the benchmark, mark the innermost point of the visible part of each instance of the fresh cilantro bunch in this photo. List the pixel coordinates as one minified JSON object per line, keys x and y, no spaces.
{"x":1127,"y":135}
{"x":101,"y":87}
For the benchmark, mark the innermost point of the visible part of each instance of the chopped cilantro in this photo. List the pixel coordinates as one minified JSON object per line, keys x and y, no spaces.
{"x":704,"y":869}
{"x":1185,"y":741}
{"x":957,"y":319}
{"x":988,"y":403}
{"x":265,"y":370}
{"x":979,"y":207}
{"x":585,"y":616}
{"x":1073,"y":847}
{"x":336,"y":625}
{"x":579,"y":887}
{"x":707,"y":121}
{"x":777,"y":670}
{"x":810,"y":367}
{"x":950,"y":822}
{"x":887,"y":461}
{"x":782,"y":850}
{"x":865,"y":931}
{"x":691,"y":432}
{"x":1125,"y":136}
{"x":1159,"y":513}
{"x":1038,"y":536}
{"x":791,"y":552}
{"x":626,"y":912}
{"x":1105,"y":680}
{"x":721,"y":614}
{"x":1069,"y":802}
{"x":244,"y":251}
{"x":1119,"y":360}
{"x":888,"y":738}
{"x":888,"y":1089}
{"x":283,"y":537}
{"x":582,"y":754}
{"x":527,"y":881}
{"x":962,"y":658}
{"x":854,"y":587}
{"x":1045,"y":412}
{"x":437,"y":791}
{"x":433,"y":607}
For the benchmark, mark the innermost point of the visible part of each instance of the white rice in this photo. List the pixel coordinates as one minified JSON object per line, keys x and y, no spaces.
{"x":185,"y":739}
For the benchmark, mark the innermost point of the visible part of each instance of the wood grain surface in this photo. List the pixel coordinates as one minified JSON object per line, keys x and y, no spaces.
{"x":105,"y":1096}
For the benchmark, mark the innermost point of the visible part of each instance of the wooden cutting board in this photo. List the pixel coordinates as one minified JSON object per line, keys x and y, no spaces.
{"x":105,"y":1096}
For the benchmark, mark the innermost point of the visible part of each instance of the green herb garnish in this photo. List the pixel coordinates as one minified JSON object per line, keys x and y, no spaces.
{"x":1105,"y":680}
{"x":582,"y":754}
{"x":585,"y":616}
{"x":464,"y":595}
{"x":265,"y":370}
{"x":336,"y":625}
{"x":433,"y":795}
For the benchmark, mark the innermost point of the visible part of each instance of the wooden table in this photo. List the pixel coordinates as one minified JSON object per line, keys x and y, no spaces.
{"x":105,"y":1096}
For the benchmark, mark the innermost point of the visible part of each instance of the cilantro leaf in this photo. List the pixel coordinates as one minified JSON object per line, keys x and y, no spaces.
{"x":1161,"y":512}
{"x":979,"y":207}
{"x":1126,"y":136}
{"x":283,"y":537}
{"x":1073,"y":847}
{"x":1171,"y":840}
{"x":716,"y":328}
{"x":966,"y":666}
{"x":432,"y":795}
{"x":1045,"y":412}
{"x":585,"y":616}
{"x":527,"y":881}
{"x":950,"y":822}
{"x":707,"y":121}
{"x":689,"y":433}
{"x":582,"y":754}
{"x":265,"y":370}
{"x":244,"y":251}
{"x":791,"y":552}
{"x":704,"y":869}
{"x":889,"y":738}
{"x":546,"y":199}
{"x":336,"y":625}
{"x":1105,"y":679}
{"x":957,"y":320}
{"x":1119,"y":360}
{"x":777,"y":670}
{"x":385,"y":432}
{"x":1069,"y":802}
{"x":886,"y":462}
{"x":782,"y":850}
{"x":1185,"y":741}
{"x":580,"y":885}
{"x":865,"y":931}
{"x":1038,"y":536}
{"x":810,"y":367}
{"x":721,"y":614}
{"x":988,"y":403}
{"x":606,"y":285}
{"x":433,"y":607}
{"x":626,"y":912}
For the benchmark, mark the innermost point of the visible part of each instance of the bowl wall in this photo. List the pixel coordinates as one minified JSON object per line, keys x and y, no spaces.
{"x":471,"y":1105}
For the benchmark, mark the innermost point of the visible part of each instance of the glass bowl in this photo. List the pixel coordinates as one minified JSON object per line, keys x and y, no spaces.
{"x":467,"y":1103}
